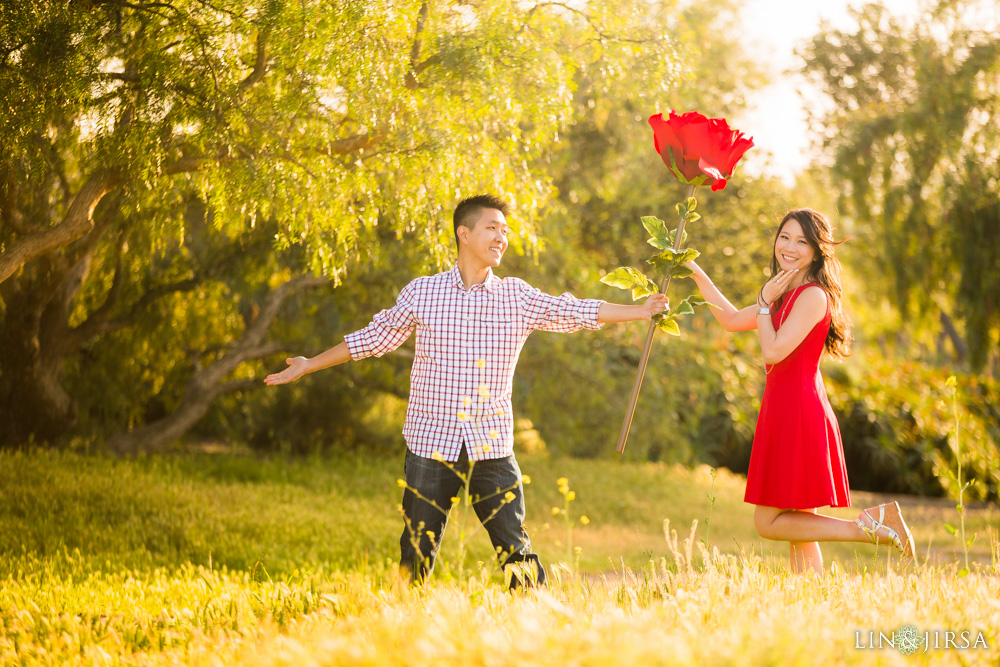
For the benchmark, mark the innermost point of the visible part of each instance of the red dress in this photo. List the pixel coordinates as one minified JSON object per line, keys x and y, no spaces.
{"x":797,"y":460}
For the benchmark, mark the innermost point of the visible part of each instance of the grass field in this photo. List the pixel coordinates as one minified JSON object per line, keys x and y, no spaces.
{"x":230,"y":559}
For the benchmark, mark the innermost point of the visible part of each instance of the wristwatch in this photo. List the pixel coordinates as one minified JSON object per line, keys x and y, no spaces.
{"x":764,"y":310}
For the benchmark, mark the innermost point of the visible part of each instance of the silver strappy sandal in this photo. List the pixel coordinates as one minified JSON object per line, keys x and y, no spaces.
{"x":895,"y":527}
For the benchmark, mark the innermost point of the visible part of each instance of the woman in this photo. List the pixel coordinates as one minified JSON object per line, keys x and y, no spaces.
{"x":797,"y":461}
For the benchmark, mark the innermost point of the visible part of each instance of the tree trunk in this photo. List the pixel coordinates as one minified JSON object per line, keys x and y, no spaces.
{"x":157,"y":435}
{"x":961,"y":349}
{"x":33,"y":404}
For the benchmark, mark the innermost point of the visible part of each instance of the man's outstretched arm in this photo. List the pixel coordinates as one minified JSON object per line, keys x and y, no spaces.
{"x":613,"y":312}
{"x":299,"y":366}
{"x":388,"y":330}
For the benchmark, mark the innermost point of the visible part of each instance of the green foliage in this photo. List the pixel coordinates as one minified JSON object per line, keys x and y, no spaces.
{"x":606,"y":181}
{"x":912,"y":113}
{"x":670,"y":261}
{"x":627,"y":278}
{"x":895,"y":426}
{"x":243,"y":142}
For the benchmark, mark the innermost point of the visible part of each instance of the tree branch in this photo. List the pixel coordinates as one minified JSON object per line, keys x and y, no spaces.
{"x":10,"y":214}
{"x":45,"y":148}
{"x":100,"y":321}
{"x":260,"y":64}
{"x":96,"y":321}
{"x":255,"y":332}
{"x":411,"y":76}
{"x":77,"y":222}
{"x":194,"y":163}
{"x":586,"y":17}
{"x":353,"y":144}
{"x":207,"y":385}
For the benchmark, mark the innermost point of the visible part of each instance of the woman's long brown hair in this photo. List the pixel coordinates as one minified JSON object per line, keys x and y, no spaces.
{"x":825,"y":271}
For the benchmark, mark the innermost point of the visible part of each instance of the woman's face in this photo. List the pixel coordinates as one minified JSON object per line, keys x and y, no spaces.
{"x":792,"y":248}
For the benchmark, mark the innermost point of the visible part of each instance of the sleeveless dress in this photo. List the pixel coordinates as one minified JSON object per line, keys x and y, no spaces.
{"x":797,"y":460}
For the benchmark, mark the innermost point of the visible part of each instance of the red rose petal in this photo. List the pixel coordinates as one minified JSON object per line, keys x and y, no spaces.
{"x":704,"y":150}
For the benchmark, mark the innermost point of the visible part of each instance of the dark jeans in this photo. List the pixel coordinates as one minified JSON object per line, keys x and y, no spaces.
{"x":426,"y":511}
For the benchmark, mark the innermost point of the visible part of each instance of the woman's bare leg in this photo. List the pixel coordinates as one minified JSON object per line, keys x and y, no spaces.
{"x":805,"y":557}
{"x":803,"y":530}
{"x":804,"y":526}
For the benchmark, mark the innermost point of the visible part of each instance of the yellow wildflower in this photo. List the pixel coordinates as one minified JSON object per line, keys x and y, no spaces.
{"x":481,"y":363}
{"x":463,"y":416}
{"x":401,"y":483}
{"x":555,"y":511}
{"x":437,"y":456}
{"x":562,"y":481}
{"x":509,"y":496}
{"x":486,"y":447}
{"x":952,"y":381}
{"x":493,"y":434}
{"x":571,"y":495}
{"x":526,"y":479}
{"x":584,"y":519}
{"x":500,"y":412}
{"x":466,"y":401}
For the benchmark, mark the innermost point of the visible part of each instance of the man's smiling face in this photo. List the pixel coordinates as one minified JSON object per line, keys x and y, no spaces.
{"x":486,"y":241}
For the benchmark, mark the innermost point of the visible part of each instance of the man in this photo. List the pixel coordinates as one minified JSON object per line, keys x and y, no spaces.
{"x":470,"y":328}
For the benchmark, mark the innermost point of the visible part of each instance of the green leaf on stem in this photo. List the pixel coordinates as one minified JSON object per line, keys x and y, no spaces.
{"x":691,"y":203}
{"x":964,"y":572}
{"x":666,"y":323}
{"x":691,"y":216}
{"x":683,"y":308}
{"x":656,"y":227}
{"x":665,"y":242}
{"x":698,"y":300}
{"x":625,"y":277}
{"x":680,"y":210}
{"x":950,"y":528}
{"x":681,"y":271}
{"x":669,"y":258}
{"x":971,"y":540}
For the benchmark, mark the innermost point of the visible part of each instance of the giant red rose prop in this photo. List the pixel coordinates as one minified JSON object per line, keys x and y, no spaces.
{"x":698,"y":150}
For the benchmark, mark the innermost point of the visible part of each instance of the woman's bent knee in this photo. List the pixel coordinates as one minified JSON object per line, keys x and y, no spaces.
{"x":763,"y":521}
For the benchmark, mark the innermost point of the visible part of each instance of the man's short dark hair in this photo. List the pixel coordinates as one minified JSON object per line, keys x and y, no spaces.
{"x":468,"y":211}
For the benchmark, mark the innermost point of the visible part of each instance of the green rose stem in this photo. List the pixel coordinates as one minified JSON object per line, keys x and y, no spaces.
{"x":633,"y":399}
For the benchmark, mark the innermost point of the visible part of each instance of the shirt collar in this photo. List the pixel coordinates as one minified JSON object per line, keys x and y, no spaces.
{"x":455,"y":279}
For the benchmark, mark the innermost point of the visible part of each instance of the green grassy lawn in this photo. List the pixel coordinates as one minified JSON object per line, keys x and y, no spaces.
{"x":278,"y":515}
{"x":233,"y":559}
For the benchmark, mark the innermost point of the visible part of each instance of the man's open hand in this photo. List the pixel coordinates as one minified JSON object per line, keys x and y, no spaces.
{"x":297,"y":367}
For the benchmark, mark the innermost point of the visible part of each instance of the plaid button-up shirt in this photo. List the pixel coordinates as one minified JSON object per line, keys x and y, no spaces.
{"x":468,"y":342}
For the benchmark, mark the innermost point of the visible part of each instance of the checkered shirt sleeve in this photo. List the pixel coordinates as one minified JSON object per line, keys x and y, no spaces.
{"x":564,"y":313}
{"x":388,"y":330}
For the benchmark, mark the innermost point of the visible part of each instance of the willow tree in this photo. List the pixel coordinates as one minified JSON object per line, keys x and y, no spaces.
{"x":314,"y":126}
{"x":912,"y":126}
